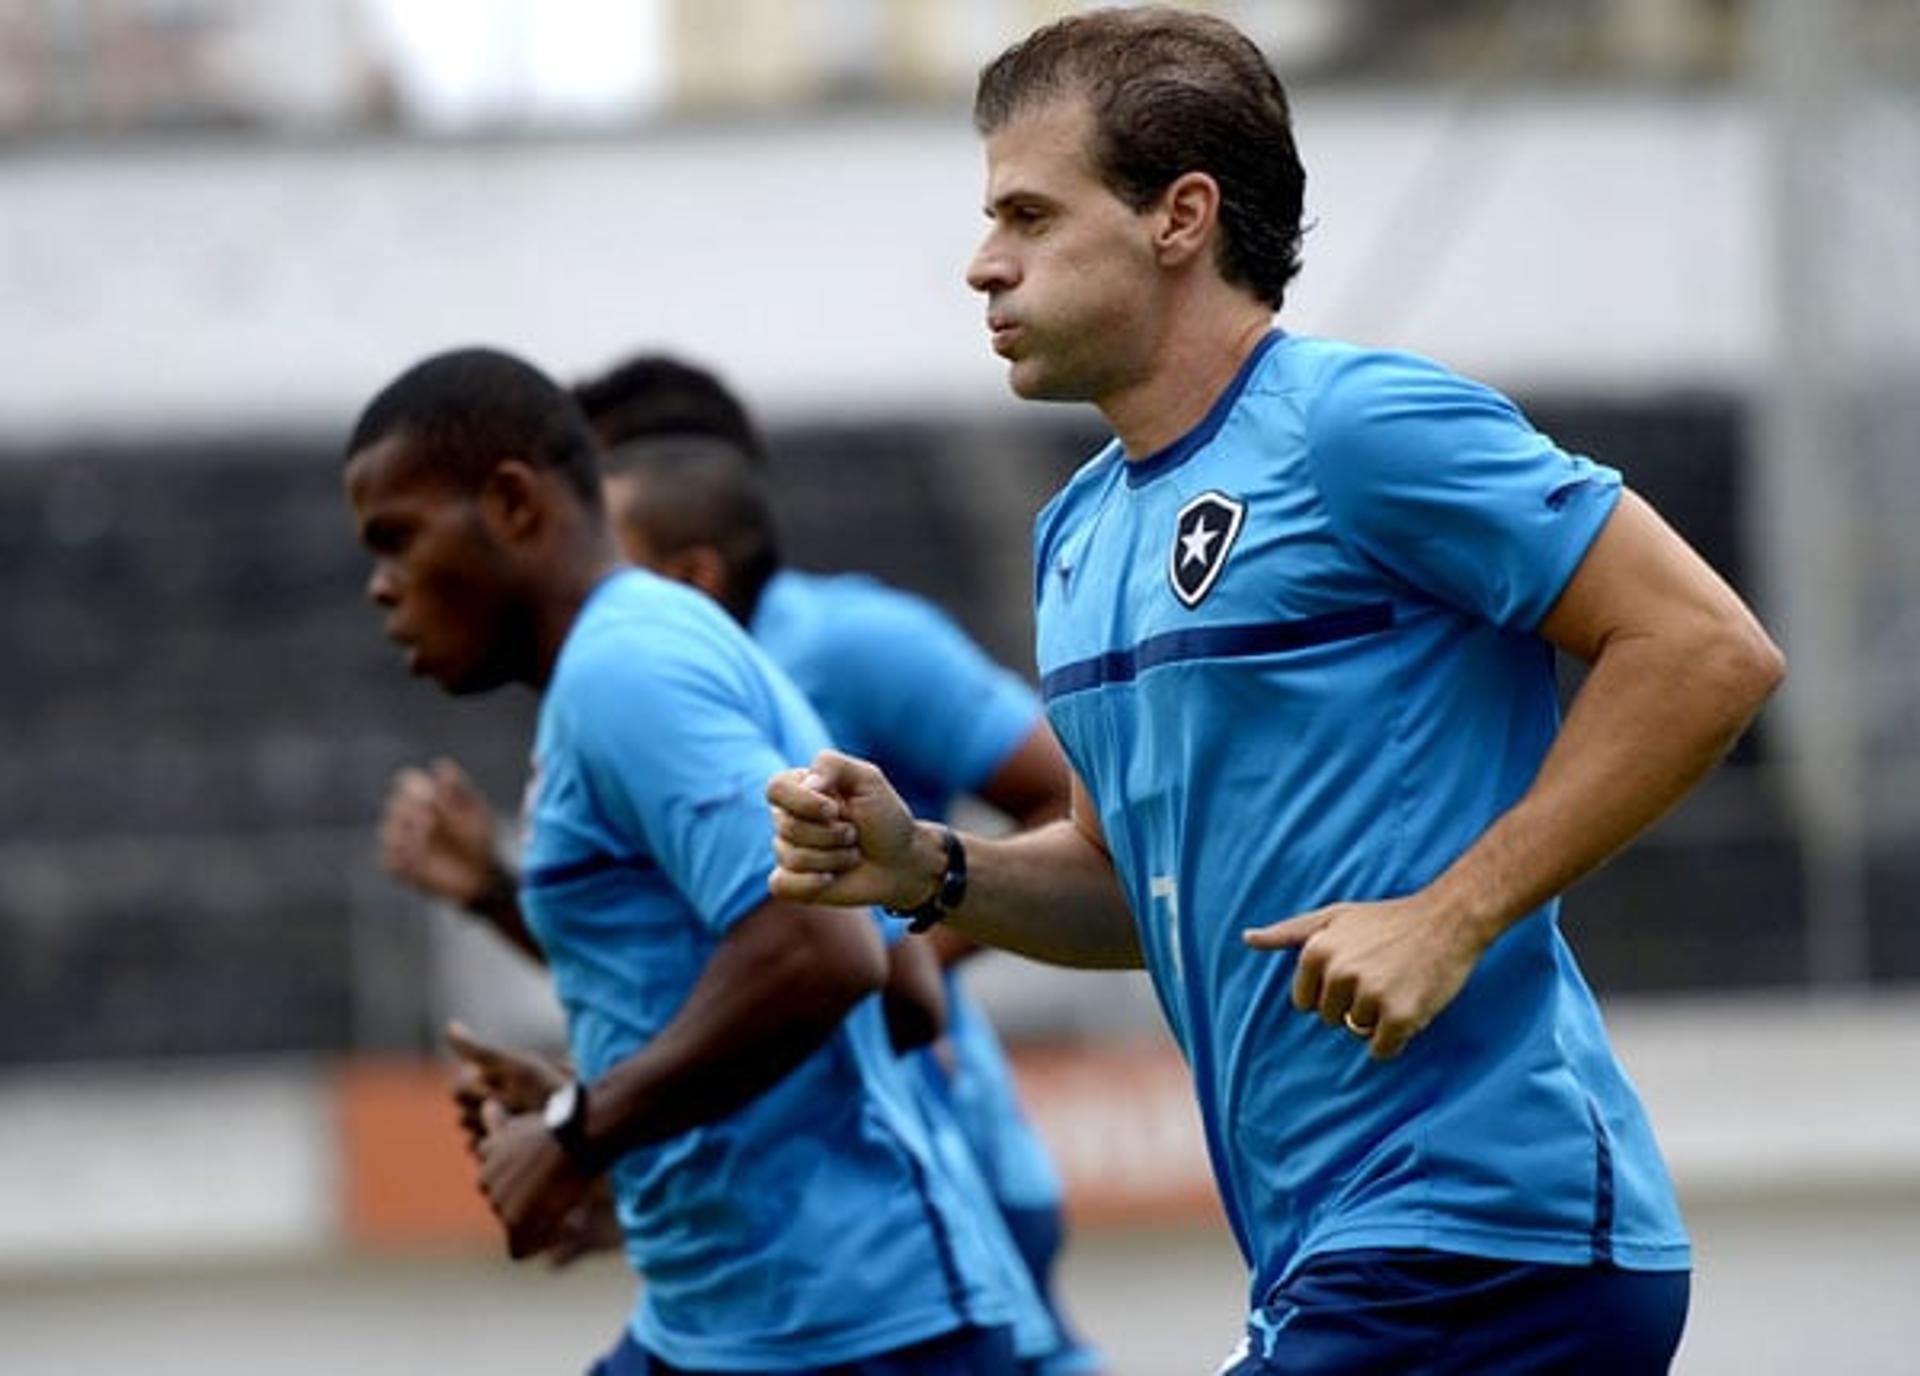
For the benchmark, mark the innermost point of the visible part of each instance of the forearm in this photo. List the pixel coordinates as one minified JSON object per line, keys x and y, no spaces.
{"x":764,"y":1004}
{"x":915,"y":998}
{"x":1651,"y":719}
{"x":952,"y":947}
{"x":498,"y":905}
{"x":1049,"y":894}
{"x":842,"y":835}
{"x":1032,"y":785}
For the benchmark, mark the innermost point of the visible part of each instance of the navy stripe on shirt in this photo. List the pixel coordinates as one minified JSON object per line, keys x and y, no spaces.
{"x":1602,"y":1187}
{"x":1216,"y":642}
{"x":552,"y":876}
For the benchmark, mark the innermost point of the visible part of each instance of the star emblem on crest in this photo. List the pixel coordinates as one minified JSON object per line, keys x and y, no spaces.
{"x":1203,"y":537}
{"x":1193,"y":545}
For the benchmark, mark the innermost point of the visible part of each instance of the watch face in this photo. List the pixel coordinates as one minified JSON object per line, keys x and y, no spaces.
{"x":560,"y":1106}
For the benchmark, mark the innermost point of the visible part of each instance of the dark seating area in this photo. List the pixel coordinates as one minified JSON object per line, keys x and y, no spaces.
{"x":200,"y":716}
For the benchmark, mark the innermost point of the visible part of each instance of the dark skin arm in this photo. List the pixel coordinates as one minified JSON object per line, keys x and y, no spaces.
{"x":951,"y":946}
{"x":774,"y":990}
{"x":519,"y":1082}
{"x":437,"y":835}
{"x":915,"y":999}
{"x":1032,"y":784}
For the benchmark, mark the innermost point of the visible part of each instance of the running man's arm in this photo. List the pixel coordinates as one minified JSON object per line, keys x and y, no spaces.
{"x":437,"y":835}
{"x":1033,"y":784}
{"x":844,"y":837}
{"x":915,"y":998}
{"x":776,"y":987}
{"x":1679,"y":668}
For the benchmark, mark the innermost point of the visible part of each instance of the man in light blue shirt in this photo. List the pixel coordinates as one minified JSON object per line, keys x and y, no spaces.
{"x":773,"y":1175}
{"x":894,"y":679}
{"x":892,"y":676}
{"x":1296,"y":629}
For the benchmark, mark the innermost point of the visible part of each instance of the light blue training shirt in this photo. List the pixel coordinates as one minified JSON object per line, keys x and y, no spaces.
{"x":1293,"y":658}
{"x":815,"y":1224}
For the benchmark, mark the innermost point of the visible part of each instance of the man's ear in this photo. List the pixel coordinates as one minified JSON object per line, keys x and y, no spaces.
{"x":512,"y":501}
{"x":1189,"y":217}
{"x":703,"y":567}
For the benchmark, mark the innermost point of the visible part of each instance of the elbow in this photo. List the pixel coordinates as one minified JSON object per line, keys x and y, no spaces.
{"x":1745,"y":666}
{"x":1762,"y":666}
{"x":1772,"y":670}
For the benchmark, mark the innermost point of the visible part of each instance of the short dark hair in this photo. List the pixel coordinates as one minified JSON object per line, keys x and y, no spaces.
{"x":658,"y":394}
{"x":468,"y":409}
{"x":705,"y":490}
{"x":1171,"y":92}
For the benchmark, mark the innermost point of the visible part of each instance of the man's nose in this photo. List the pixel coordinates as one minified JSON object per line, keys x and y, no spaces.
{"x":989,"y":269}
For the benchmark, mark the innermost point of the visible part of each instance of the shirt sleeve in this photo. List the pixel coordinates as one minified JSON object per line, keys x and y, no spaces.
{"x":675,"y":749}
{"x":932,"y":701}
{"x":1442,"y":482}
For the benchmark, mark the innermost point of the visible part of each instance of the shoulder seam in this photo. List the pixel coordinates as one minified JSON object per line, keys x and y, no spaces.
{"x":1312,"y":466}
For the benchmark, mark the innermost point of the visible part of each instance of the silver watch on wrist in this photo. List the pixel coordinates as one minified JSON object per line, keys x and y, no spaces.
{"x":565,"y":1115}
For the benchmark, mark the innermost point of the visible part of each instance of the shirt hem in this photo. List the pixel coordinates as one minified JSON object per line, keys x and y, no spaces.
{"x":833,"y":1350}
{"x":1568,"y":1249}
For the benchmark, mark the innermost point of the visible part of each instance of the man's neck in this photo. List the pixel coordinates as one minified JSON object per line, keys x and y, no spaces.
{"x":1191,"y":369}
{"x":562,"y":601}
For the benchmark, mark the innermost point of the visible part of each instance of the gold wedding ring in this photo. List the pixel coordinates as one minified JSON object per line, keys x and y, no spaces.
{"x":1358,"y":1029}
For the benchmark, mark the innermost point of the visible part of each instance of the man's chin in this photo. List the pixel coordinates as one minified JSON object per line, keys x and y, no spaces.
{"x":460,"y":682}
{"x":473,"y":686}
{"x":1032,"y":384}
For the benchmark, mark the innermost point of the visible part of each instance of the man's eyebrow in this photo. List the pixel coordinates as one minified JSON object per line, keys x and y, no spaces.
{"x":1017,"y":194}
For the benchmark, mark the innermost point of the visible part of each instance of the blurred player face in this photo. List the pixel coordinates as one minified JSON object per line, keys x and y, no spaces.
{"x":1068,"y":268}
{"x":437,"y":571}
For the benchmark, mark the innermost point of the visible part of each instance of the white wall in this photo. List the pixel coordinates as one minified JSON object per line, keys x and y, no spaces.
{"x":1559,"y":241}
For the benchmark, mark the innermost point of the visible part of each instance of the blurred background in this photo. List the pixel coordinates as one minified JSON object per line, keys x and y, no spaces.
{"x":1685,"y":234}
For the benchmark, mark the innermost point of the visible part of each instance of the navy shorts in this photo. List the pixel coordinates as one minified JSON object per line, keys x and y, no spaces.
{"x":1419,"y":1313}
{"x":964,"y":1352}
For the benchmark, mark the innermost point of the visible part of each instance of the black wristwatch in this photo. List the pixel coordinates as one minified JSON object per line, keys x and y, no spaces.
{"x":949,"y":895}
{"x":566,"y":1118}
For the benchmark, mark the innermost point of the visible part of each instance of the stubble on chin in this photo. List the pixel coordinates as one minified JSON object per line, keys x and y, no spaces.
{"x":1037,"y":384}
